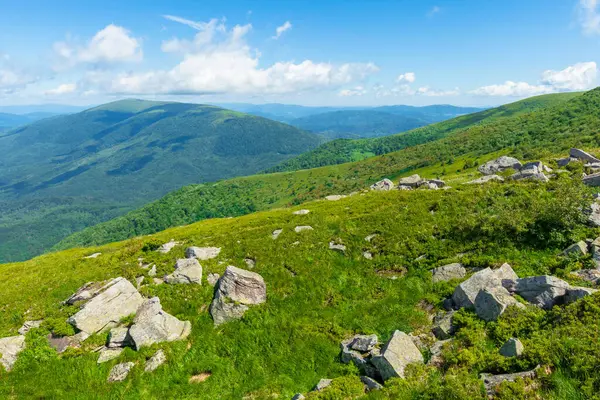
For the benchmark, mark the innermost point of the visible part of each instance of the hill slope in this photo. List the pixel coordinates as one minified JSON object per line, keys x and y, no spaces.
{"x":567,"y":120}
{"x":9,"y":121}
{"x":62,"y":174}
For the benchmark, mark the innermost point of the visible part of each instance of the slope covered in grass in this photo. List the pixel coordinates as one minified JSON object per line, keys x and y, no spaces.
{"x":543,"y":133}
{"x":316,"y":297}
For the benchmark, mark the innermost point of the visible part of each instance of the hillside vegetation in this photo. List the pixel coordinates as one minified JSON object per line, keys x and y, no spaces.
{"x":62,"y":174}
{"x":565,"y":120}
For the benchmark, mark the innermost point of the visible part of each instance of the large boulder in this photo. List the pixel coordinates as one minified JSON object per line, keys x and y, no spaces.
{"x":187,"y":270}
{"x":491,"y":302}
{"x":487,"y":178}
{"x":396,"y":355}
{"x":10,"y":347}
{"x":498,"y":165}
{"x":411,"y":181}
{"x":543,"y":291}
{"x":153,"y":325}
{"x":108,"y":305}
{"x":202,"y":253}
{"x":592,"y":179}
{"x":577,"y":249}
{"x":512,"y":348}
{"x":448,"y":272}
{"x":236,"y":290}
{"x":384,"y":184}
{"x":575,"y":293}
{"x":583,"y":156}
{"x":464,"y":295}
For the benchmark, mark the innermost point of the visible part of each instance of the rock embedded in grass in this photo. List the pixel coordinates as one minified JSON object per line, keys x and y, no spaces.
{"x":491,"y":303}
{"x":499,"y":164}
{"x":577,"y":249}
{"x":158,"y":359}
{"x":383,"y":185}
{"x":109,"y":354}
{"x":512,"y":348}
{"x":28,"y":325}
{"x":448,"y":272}
{"x":202,"y":253}
{"x":119,"y":372}
{"x":303,"y":228}
{"x":167,"y":247}
{"x":464,"y":295}
{"x":187,"y":271}
{"x":301,"y":212}
{"x":276,"y":233}
{"x":10,"y":347}
{"x":396,"y":355}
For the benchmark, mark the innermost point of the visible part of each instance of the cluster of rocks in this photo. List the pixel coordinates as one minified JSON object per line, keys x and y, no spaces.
{"x":534,"y":170}
{"x":409,"y":183}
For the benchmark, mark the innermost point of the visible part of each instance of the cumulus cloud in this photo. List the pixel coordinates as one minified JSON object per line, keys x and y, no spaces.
{"x":113,"y":44}
{"x":580,"y":76}
{"x":12,"y":78}
{"x":65,"y":88}
{"x":427,"y":91}
{"x":589,"y":16}
{"x":218,"y":60}
{"x":408,"y":77}
{"x":280,"y":29}
{"x":356,"y":91}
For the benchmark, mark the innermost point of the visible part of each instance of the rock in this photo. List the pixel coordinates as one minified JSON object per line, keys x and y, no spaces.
{"x":512,"y":348}
{"x":438,"y":182}
{"x":448,"y":272}
{"x":119,"y":372}
{"x":155,"y":361}
{"x":323,"y":383}
{"x":429,"y":185}
{"x":212,"y":279}
{"x":303,"y":228}
{"x":85,"y":292}
{"x":139,"y":280}
{"x":575,"y":293}
{"x":152,"y":271}
{"x":370,"y":383}
{"x":29,"y":325}
{"x":187,"y":271}
{"x":119,"y":337}
{"x":112,"y":302}
{"x":404,"y":187}
{"x":384,"y":184}
{"x":364,"y":343}
{"x":498,"y":165}
{"x":577,"y":249}
{"x":527,"y":175}
{"x":95,"y":255}
{"x":250,"y":262}
{"x":276,"y":233}
{"x":368,"y":255}
{"x":532,"y":168}
{"x":437,"y":360}
{"x":167,"y":247}
{"x":491,"y":382}
{"x":396,"y":355}
{"x":583,"y":156}
{"x":443,"y":328}
{"x":349,"y":355}
{"x":410,"y":181}
{"x":593,"y":214}
{"x":202,"y":253}
{"x":491,"y":302}
{"x":10,"y":347}
{"x":370,"y":237}
{"x":153,"y":325}
{"x":237,"y":289}
{"x":464,"y":295}
{"x":588,"y":275}
{"x":157,"y":281}
{"x":562,"y":162}
{"x":109,"y":354}
{"x":337,"y":247}
{"x":487,"y":178}
{"x":335,"y":197}
{"x":298,"y":396}
{"x":301,"y":212}
{"x":543,"y":291}
{"x":60,"y":344}
{"x":592,"y":180}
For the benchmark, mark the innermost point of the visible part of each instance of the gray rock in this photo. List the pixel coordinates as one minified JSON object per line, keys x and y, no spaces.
{"x":237,"y":289}
{"x":109,"y":304}
{"x":368,"y":255}
{"x":543,"y":291}
{"x":85,"y":292}
{"x":212,"y":279}
{"x":487,"y":178}
{"x":323,"y":383}
{"x":532,"y":168}
{"x":348,"y":355}
{"x":575,"y":293}
{"x":337,"y":247}
{"x":155,"y":361}
{"x":527,"y":175}
{"x":301,"y":212}
{"x":298,"y":396}
{"x":303,"y":228}
{"x":583,"y":156}
{"x":370,"y":237}
{"x":429,"y":185}
{"x":153,"y":325}
{"x":10,"y":347}
{"x":437,"y":360}
{"x":491,"y":382}
{"x":364,"y":343}
{"x":498,"y":165}
{"x":60,"y":344}
{"x":139,"y":280}
{"x":187,"y":271}
{"x":404,"y":187}
{"x":410,"y":181}
{"x":577,"y":249}
{"x":119,"y":372}
{"x":152,"y":271}
{"x":443,"y":328}
{"x":562,"y":162}
{"x":29,"y":325}
{"x":109,"y":354}
{"x":396,"y":355}
{"x":512,"y":348}
{"x":370,"y":383}
{"x":593,"y":214}
{"x":588,"y":275}
{"x":384,"y":184}
{"x":202,"y":253}
{"x":95,"y":255}
{"x":491,"y":302}
{"x":119,"y":337}
{"x":464,"y":295}
{"x":276,"y":233}
{"x":335,"y":197}
{"x":592,"y":179}
{"x":250,"y":262}
{"x":167,"y":247}
{"x":158,"y":281}
{"x":438,"y":182}
{"x":448,"y":272}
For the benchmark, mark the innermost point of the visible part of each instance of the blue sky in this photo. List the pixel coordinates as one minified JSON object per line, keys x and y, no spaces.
{"x":304,"y":52}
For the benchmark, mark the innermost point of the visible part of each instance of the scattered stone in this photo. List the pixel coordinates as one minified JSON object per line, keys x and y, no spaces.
{"x":592,"y":179}
{"x":368,"y":255}
{"x":95,"y":255}
{"x":276,"y":233}
{"x":119,"y":337}
{"x":237,"y":289}
{"x":155,"y":361}
{"x":384,"y":185}
{"x":303,"y":228}
{"x":370,"y":383}
{"x":109,"y":354}
{"x":202,"y":253}
{"x":370,"y":237}
{"x":349,"y":355}
{"x":593,"y":214}
{"x":491,"y":302}
{"x":583,"y":156}
{"x":575,"y":293}
{"x":187,"y":271}
{"x":588,"y":275}
{"x":119,"y":372}
{"x":412,"y":181}
{"x":153,"y":325}
{"x":250,"y":262}
{"x":443,"y":328}
{"x":167,"y":247}
{"x":543,"y":291}
{"x":577,"y":249}
{"x":404,"y":187}
{"x":526,"y":175}
{"x":10,"y":347}
{"x":157,"y":281}
{"x":448,"y":272}
{"x":487,"y":178}
{"x":491,"y":382}
{"x":323,"y":383}
{"x":298,"y":396}
{"x":464,"y":295}
{"x":109,"y":304}
{"x":335,"y":197}
{"x":397,"y":353}
{"x":364,"y":343}
{"x":301,"y":212}
{"x":498,"y":165}
{"x":29,"y":325}
{"x":512,"y":348}
{"x":438,"y":182}
{"x":562,"y":162}
{"x":60,"y":344}
{"x":337,"y":246}
{"x":429,"y":185}
{"x":437,"y":360}
{"x":152,"y":271}
{"x":139,"y":280}
{"x":212,"y":279}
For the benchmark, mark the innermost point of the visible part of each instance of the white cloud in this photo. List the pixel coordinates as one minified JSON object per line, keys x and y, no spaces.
{"x":112,"y":44}
{"x":427,"y":91}
{"x":206,"y":34}
{"x":589,"y":16}
{"x":12,"y":78}
{"x":434,"y":10}
{"x":65,"y":88}
{"x":356,"y":91}
{"x":280,"y":29}
{"x":580,"y":76}
{"x":408,"y":77}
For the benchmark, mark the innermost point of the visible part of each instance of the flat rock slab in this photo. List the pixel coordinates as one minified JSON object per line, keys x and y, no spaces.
{"x":202,"y":253}
{"x":109,"y":354}
{"x":448,"y":272}
{"x":583,"y":155}
{"x":396,"y":355}
{"x":276,"y":233}
{"x":10,"y":347}
{"x":119,"y":372}
{"x":544,"y":291}
{"x":60,"y":344}
{"x":167,"y":247}
{"x":499,"y":164}
{"x":187,"y":271}
{"x":303,"y":228}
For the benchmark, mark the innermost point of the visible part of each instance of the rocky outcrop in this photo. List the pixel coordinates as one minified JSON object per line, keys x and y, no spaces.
{"x":119,"y":337}
{"x":583,"y":156}
{"x":498,"y":165}
{"x":491,"y":302}
{"x":153,"y":325}
{"x":396,"y":355}
{"x":448,"y":272}
{"x":412,"y":181}
{"x":158,"y":359}
{"x":202,"y":253}
{"x":236,"y":290}
{"x":107,"y":306}
{"x":384,"y":184}
{"x":10,"y":347}
{"x":119,"y":372}
{"x":187,"y":271}
{"x":575,"y":293}
{"x":464,"y":295}
{"x":512,"y":348}
{"x":487,"y":178}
